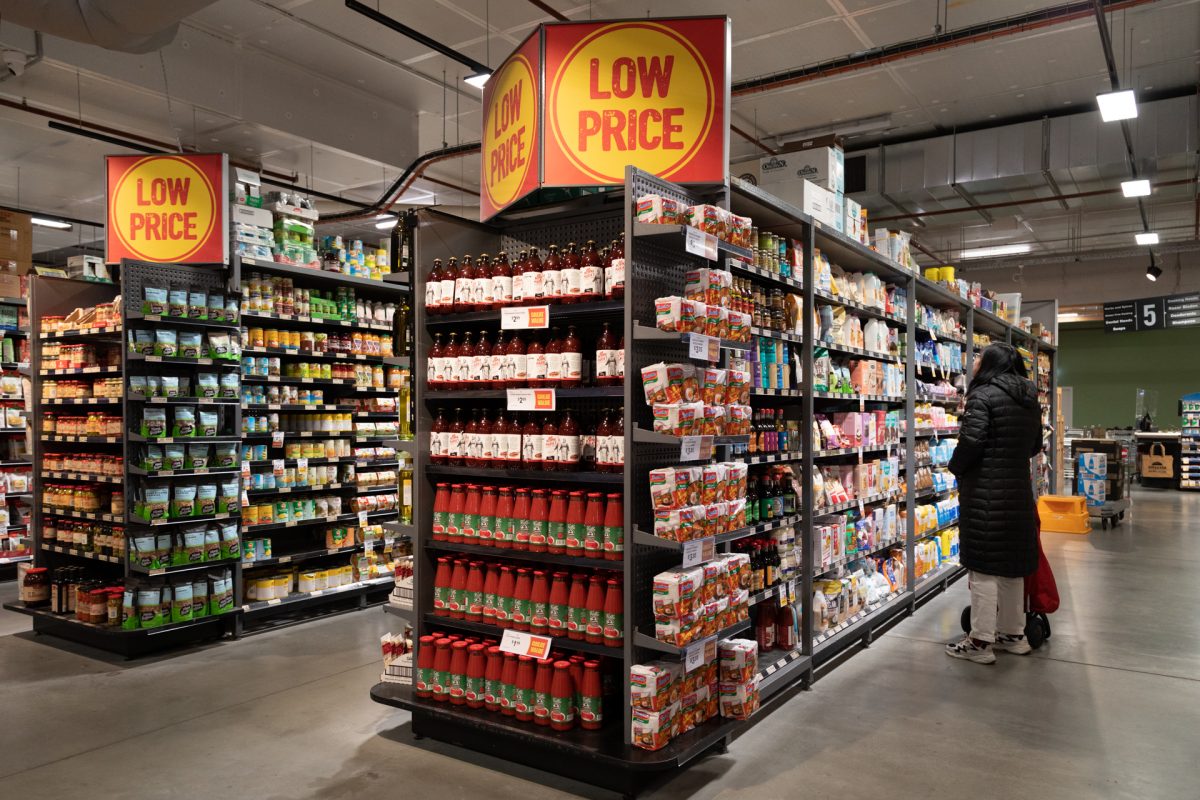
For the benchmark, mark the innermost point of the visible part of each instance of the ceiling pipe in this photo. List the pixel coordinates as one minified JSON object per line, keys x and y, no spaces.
{"x":550,"y":11}
{"x":418,"y":37}
{"x":972,"y":34}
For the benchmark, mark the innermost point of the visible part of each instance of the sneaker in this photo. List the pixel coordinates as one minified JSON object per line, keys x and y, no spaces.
{"x":967,"y":649}
{"x":1008,"y":643}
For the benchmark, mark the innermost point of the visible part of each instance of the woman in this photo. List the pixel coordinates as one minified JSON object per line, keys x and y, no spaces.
{"x":1000,"y":432}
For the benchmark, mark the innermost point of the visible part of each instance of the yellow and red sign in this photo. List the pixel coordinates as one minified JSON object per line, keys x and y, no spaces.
{"x":652,"y":93}
{"x":167,"y":209}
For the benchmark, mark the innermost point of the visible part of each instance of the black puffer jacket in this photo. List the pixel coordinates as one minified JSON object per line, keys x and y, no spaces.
{"x":1001,"y":430}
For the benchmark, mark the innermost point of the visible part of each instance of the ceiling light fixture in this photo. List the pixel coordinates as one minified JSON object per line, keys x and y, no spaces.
{"x":1137,"y":188}
{"x":1116,"y":106}
{"x":480,"y":72}
{"x":51,"y":223}
{"x":385,"y":221}
{"x":1146,"y":238}
{"x":1153,"y":272}
{"x":998,"y":250}
{"x":478,"y":79}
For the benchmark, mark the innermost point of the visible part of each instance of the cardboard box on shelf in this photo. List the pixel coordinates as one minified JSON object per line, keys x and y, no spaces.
{"x":12,"y":285}
{"x":16,"y":242}
{"x":821,"y":204}
{"x":823,"y":166}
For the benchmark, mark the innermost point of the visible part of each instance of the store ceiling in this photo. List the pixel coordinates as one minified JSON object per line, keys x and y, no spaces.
{"x":310,"y":89}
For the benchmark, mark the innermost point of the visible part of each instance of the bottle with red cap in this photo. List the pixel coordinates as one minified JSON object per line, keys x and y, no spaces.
{"x":556,"y":523}
{"x":558,"y":609}
{"x":441,"y":512}
{"x":441,"y":586}
{"x":487,"y":514}
{"x":458,"y":503}
{"x":614,"y":614}
{"x":474,"y":605}
{"x":522,"y":595}
{"x":470,"y":516}
{"x":524,"y":689}
{"x":505,"y":590}
{"x":458,"y":673}
{"x":591,"y":709}
{"x":502,"y":528}
{"x":492,"y":673}
{"x":491,"y":582}
{"x":508,"y":685}
{"x":441,"y":670}
{"x":562,"y":698}
{"x":614,"y":527}
{"x":577,"y":615}
{"x":433,"y":289}
{"x":476,"y":662}
{"x":593,"y":526}
{"x":539,"y":604}
{"x":423,"y":683}
{"x":594,"y":627}
{"x":539,"y":513}
{"x":458,"y":589}
{"x":575,"y":524}
{"x":542,"y":683}
{"x":520,"y":515}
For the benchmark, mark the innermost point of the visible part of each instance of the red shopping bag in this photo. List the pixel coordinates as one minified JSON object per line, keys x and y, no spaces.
{"x":1040,"y":587}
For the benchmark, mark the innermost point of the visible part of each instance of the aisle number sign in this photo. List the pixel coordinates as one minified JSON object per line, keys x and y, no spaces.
{"x":167,"y":209}
{"x":577,"y":103}
{"x":1153,"y":313}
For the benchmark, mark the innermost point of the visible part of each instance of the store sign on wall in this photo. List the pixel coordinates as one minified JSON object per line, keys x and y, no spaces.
{"x":1152,"y":313}
{"x":167,"y":209}
{"x":577,"y":103}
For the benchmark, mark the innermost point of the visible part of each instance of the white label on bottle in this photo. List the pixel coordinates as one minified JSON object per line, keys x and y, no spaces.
{"x":498,"y":443}
{"x":606,"y":363}
{"x":496,"y":369}
{"x":518,"y":288}
{"x":621,"y":363}
{"x":462,"y":291}
{"x":550,"y":448}
{"x":454,"y":444}
{"x":436,"y":374}
{"x":446,"y":296}
{"x":512,"y":447}
{"x":435,"y":444}
{"x":531,"y":448}
{"x":551,"y":284}
{"x":536,"y":366}
{"x":519,"y":371}
{"x":480,"y":368}
{"x":572,"y":367}
{"x":554,"y":369}
{"x":570,"y":282}
{"x":532,"y":287}
{"x":614,"y":276}
{"x":502,"y":288}
{"x":433,"y":294}
{"x":484,"y":442}
{"x":591,"y":281}
{"x":462,"y":372}
{"x":616,"y":453}
{"x":568,"y":449}
{"x":483,"y":290}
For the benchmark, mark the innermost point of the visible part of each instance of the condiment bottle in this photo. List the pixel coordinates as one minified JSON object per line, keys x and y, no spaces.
{"x":474,"y":610}
{"x":441,"y":670}
{"x":556,"y":523}
{"x":524,"y":692}
{"x":614,"y":614}
{"x":603,"y":461}
{"x":568,"y":443}
{"x":591,"y":713}
{"x":614,"y":528}
{"x":576,"y":660}
{"x":518,"y":282}
{"x":496,"y":362}
{"x":569,"y":285}
{"x":593,"y":526}
{"x":441,"y":587}
{"x":521,"y":523}
{"x":521,"y":600}
{"x":550,"y":444}
{"x":462,"y":370}
{"x":536,"y":364}
{"x":504,"y":596}
{"x":476,"y":659}
{"x":458,"y":589}
{"x":539,"y":604}
{"x":433,"y":289}
{"x":591,"y":273}
{"x":490,"y":584}
{"x":487,"y":514}
{"x":464,"y":286}
{"x":614,"y":271}
{"x":552,"y":276}
{"x":575,"y":524}
{"x":533,"y":291}
{"x":470,"y":434}
{"x":441,"y":511}
{"x":606,"y":358}
{"x":484,"y":441}
{"x":436,"y":376}
{"x":621,"y":359}
{"x":562,"y":698}
{"x":594,"y":627}
{"x":449,"y":280}
{"x":422,"y":684}
{"x":454,"y":439}
{"x":532,"y":453}
{"x":508,"y":685}
{"x":577,"y":607}
{"x":554,"y":367}
{"x":503,"y":526}
{"x":539,"y":513}
{"x":512,"y":447}
{"x":502,"y":283}
{"x":450,"y":361}
{"x":785,"y":628}
{"x":481,"y":362}
{"x":542,"y":681}
{"x":572,"y":360}
{"x":458,"y":673}
{"x":458,"y":503}
{"x":516,"y":372}
{"x":482,"y":291}
{"x":492,"y":673}
{"x":557,"y":608}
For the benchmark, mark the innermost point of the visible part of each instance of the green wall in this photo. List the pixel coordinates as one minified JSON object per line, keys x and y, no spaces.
{"x":1106,"y":370}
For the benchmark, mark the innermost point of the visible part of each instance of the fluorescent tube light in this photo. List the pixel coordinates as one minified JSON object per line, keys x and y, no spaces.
{"x":478,"y":79}
{"x":51,"y":223}
{"x":1116,"y":106}
{"x":1146,"y":238}
{"x":1138,"y":188}
{"x":386,"y":221}
{"x":998,"y":250}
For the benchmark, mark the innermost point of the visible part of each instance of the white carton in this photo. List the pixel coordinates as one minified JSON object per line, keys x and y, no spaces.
{"x":824,"y":166}
{"x":1093,"y":466}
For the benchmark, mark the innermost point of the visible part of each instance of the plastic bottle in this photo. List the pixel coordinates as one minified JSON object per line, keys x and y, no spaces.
{"x":476,"y":660}
{"x":562,"y":698}
{"x":487,"y":514}
{"x":502,"y":528}
{"x":606,"y":358}
{"x":552,"y":276}
{"x":614,"y":614}
{"x":502,"y":284}
{"x":594,"y":623}
{"x":458,"y":502}
{"x":521,"y":523}
{"x":591,"y":273}
{"x":490,"y":584}
{"x":557,"y":605}
{"x":424,"y":676}
{"x":614,"y":271}
{"x":591,"y":709}
{"x":576,"y":526}
{"x":536,"y":364}
{"x":474,"y":606}
{"x":593,"y":526}
{"x":504,"y":596}
{"x":441,"y":671}
{"x":441,"y":511}
{"x":521,"y":600}
{"x":542,"y":683}
{"x":614,"y":527}
{"x":539,"y":512}
{"x":524,"y":689}
{"x":492,"y":674}
{"x":554,"y":363}
{"x":577,"y":615}
{"x":508,"y":685}
{"x":556,"y":523}
{"x":458,"y":589}
{"x":449,"y":280}
{"x":433,"y":289}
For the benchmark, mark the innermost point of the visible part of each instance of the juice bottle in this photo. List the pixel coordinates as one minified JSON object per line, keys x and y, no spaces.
{"x":474,"y":610}
{"x":575,"y":524}
{"x":593,"y":526}
{"x":536,"y":364}
{"x":476,"y":659}
{"x":539,"y":604}
{"x":487,"y":514}
{"x":450,"y":361}
{"x":591,"y":274}
{"x":614,"y":614}
{"x":562,"y":698}
{"x":441,"y":587}
{"x":572,"y":360}
{"x":521,"y":600}
{"x":502,"y":527}
{"x":557,"y":606}
{"x":521,"y":522}
{"x":502,"y":283}
{"x":606,"y":358}
{"x":516,"y":372}
{"x":441,"y":511}
{"x":449,"y":280}
{"x":538,"y":521}
{"x":470,"y":520}
{"x":441,"y":671}
{"x":496,"y":362}
{"x":554,"y":371}
{"x":614,"y":271}
{"x":543,"y":678}
{"x":482,"y":291}
{"x":552,"y":276}
{"x":524,"y":689}
{"x":508,"y":685}
{"x":454,"y":439}
{"x":481,"y":362}
{"x":458,"y":502}
{"x":550,"y":449}
{"x":568,"y":443}
{"x":591,"y":713}
{"x":433,"y":289}
{"x":492,"y":673}
{"x":504,"y":596}
{"x":435,"y":365}
{"x":458,"y":589}
{"x":556,"y":523}
{"x":424,"y":677}
{"x":464,"y":286}
{"x":531,"y":445}
{"x":614,"y":527}
{"x":490,"y":583}
{"x":577,"y":607}
{"x":594,"y":630}
{"x":518,"y":281}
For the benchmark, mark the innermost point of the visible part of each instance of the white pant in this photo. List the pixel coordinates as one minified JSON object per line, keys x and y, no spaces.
{"x":997,"y":606}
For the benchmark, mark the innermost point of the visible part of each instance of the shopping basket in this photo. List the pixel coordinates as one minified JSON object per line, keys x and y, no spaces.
{"x":1041,"y":600}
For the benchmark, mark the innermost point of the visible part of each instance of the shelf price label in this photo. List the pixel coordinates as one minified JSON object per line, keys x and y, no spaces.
{"x":525,"y":644}
{"x":532,"y":400}
{"x":695,"y":448}
{"x":698,"y":654}
{"x":525,"y":318}
{"x":703,"y":347}
{"x":698,"y":551}
{"x":699,"y":243}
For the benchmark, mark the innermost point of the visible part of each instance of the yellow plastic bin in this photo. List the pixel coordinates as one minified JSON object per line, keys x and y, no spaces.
{"x":1064,"y":514}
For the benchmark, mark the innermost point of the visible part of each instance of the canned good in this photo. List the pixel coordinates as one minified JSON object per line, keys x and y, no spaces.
{"x":273,"y":365}
{"x":294,"y":339}
{"x":257,"y":337}
{"x":262,"y":367}
{"x":293,"y":450}
{"x":256,"y":481}
{"x":260,"y":452}
{"x":250,"y":515}
{"x":283,"y":511}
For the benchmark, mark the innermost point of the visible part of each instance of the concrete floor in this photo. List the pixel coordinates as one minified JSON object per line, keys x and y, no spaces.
{"x":1110,"y":708}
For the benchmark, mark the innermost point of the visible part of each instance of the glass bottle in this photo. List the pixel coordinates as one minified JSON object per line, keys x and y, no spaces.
{"x":571,"y":356}
{"x":593,"y":526}
{"x":614,"y":614}
{"x":505,"y":592}
{"x":438,"y":444}
{"x":516,"y":363}
{"x":606,"y":357}
{"x":520,"y":515}
{"x":539,"y":513}
{"x":502,"y":525}
{"x":518,"y":281}
{"x":550,"y":451}
{"x":554,"y":371}
{"x":535,"y":363}
{"x":575,"y":524}
{"x":542,"y":683}
{"x":594,"y":630}
{"x":531,"y":445}
{"x":433,"y":289}
{"x":556,"y":523}
{"x":562,"y":697}
{"x":570,"y":282}
{"x":464,"y":285}
{"x":496,"y":365}
{"x":591,"y":273}
{"x":539,"y":602}
{"x":533,"y":290}
{"x":552,"y":276}
{"x":499,"y":444}
{"x":567,"y":457}
{"x":502,"y":283}
{"x":614,"y":272}
{"x":487,"y":515}
{"x":603,"y":446}
{"x":481,"y":362}
{"x":462,"y":372}
{"x":482,"y":291}
{"x":614,"y":527}
{"x":508,"y":685}
{"x":591,"y":714}
{"x":454,"y":446}
{"x":449,"y":361}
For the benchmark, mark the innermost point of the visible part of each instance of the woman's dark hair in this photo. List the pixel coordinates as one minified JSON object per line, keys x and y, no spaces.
{"x":997,"y":360}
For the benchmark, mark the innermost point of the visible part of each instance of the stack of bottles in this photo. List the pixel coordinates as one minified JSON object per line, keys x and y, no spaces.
{"x":560,"y":692}
{"x":776,"y":626}
{"x":687,"y":401}
{"x":691,"y":603}
{"x":770,"y":432}
{"x":263,"y":294}
{"x":695,"y":502}
{"x":842,"y":538}
{"x":100,"y":538}
{"x":557,"y":521}
{"x":771,"y":494}
{"x":484,"y":283}
{"x":586,"y":607}
{"x":775,"y":557}
{"x":525,"y":359}
{"x":550,"y":442}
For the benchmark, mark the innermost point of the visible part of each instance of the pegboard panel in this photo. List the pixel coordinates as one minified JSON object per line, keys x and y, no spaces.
{"x":655,"y":266}
{"x":137,"y":275}
{"x":601,"y":228}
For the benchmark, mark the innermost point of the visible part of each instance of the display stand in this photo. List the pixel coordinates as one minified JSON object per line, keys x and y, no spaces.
{"x":16,"y":453}
{"x":656,"y":258}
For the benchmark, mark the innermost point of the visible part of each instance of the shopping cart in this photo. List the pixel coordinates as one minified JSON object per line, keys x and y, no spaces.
{"x":1041,"y":600}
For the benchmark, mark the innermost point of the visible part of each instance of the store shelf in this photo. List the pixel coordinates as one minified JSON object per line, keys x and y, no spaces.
{"x":644,"y":436}
{"x":873,"y":614}
{"x":650,"y":540}
{"x":852,"y":451}
{"x":80,"y":401}
{"x":947,"y":571}
{"x":75,"y":333}
{"x":935,"y":370}
{"x":319,"y":461}
{"x":781,"y":590}
{"x":290,"y":558}
{"x":953,"y":401}
{"x":319,"y":355}
{"x":937,"y":530}
{"x":349,"y":382}
{"x":947,"y":431}
{"x":855,"y":503}
{"x":156,"y":319}
{"x":783,"y":336}
{"x":521,"y":555}
{"x":756,"y":392}
{"x":779,"y":672}
{"x":866,"y":398}
{"x":324,"y":487}
{"x":400,"y":528}
{"x":174,"y":570}
{"x":582,"y":392}
{"x":181,"y":361}
{"x":307,"y":277}
{"x":137,"y":437}
{"x":945,"y":337}
{"x":80,"y":371}
{"x":292,"y":435}
{"x":648,"y":333}
{"x":825,"y":569}
{"x":858,"y":308}
{"x":114,"y":630}
{"x":164,"y":523}
{"x":398,"y":610}
{"x":493,"y":474}
{"x":249,"y":530}
{"x":293,"y":320}
{"x":763,"y":275}
{"x":94,"y":517}
{"x":847,"y":350}
{"x":75,"y":552}
{"x":771,"y":458}
{"x":646,"y":642}
{"x":494,"y":631}
{"x":186,"y":401}
{"x":559,"y":313}
{"x":297,"y":407}
{"x":652,"y":230}
{"x":169,"y":473}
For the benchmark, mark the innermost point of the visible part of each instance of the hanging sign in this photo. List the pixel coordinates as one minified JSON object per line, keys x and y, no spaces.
{"x":167,"y":209}
{"x":578,"y":102}
{"x":1152,"y":313}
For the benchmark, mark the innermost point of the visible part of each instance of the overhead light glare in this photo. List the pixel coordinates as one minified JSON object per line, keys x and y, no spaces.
{"x":1138,"y":188}
{"x":387,"y":221}
{"x":478,"y":79}
{"x":1153,"y":272}
{"x":1146,"y":238}
{"x":51,"y":223}
{"x":1116,"y":106}
{"x":998,"y":250}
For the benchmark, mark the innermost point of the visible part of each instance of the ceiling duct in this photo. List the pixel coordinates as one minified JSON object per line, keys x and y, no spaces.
{"x":129,"y":26}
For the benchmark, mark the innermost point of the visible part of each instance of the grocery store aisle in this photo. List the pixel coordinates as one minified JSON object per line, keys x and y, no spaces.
{"x":1108,"y":709}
